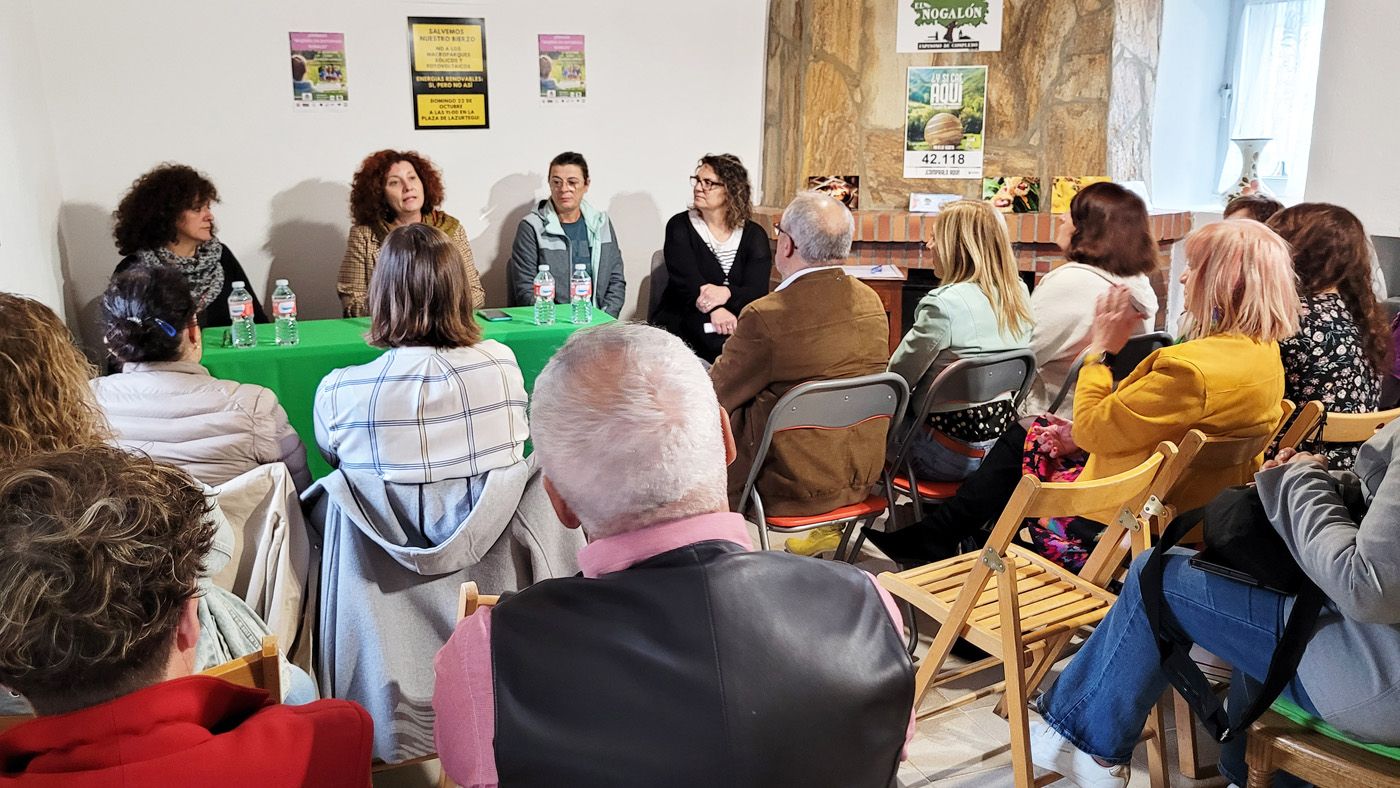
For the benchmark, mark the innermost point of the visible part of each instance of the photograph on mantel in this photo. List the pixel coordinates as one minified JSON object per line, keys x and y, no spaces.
{"x":845,"y":188}
{"x":1064,"y":188}
{"x":1014,"y":194}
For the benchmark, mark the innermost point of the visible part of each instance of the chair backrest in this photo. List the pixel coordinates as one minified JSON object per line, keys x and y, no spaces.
{"x":469,"y":599}
{"x":1336,"y":427}
{"x":1125,"y":361}
{"x":657,"y":287}
{"x":260,"y":670}
{"x":973,"y":380}
{"x":830,"y":405}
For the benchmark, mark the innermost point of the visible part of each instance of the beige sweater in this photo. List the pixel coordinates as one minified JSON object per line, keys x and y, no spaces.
{"x":362,"y":252}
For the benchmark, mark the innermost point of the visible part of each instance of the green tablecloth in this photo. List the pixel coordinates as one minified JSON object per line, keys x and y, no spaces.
{"x":295,"y":372}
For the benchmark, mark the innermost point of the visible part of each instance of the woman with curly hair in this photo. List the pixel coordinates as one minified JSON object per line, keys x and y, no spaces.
{"x":165,"y":217}
{"x":45,"y":404}
{"x":717,"y":258}
{"x":1343,"y":343}
{"x":393,"y":189}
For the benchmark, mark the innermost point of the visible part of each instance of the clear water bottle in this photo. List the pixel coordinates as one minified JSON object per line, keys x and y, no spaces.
{"x":240,"y":312}
{"x":284,"y":307}
{"x":581,"y":295}
{"x":544,"y":297}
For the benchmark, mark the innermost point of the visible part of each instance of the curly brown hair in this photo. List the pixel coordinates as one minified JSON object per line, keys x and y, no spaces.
{"x":100,"y":551}
{"x":367,"y":204}
{"x":45,"y":403}
{"x":1331,"y":249}
{"x":146,"y":216}
{"x":1259,"y":207}
{"x":732,"y":173}
{"x":1111,"y":230}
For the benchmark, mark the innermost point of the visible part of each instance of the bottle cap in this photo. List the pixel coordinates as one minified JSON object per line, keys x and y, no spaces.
{"x":544,"y":266}
{"x":237,"y":285}
{"x":281,"y":282}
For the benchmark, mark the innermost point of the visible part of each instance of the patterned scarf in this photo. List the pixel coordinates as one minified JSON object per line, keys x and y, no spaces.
{"x":204,"y":271}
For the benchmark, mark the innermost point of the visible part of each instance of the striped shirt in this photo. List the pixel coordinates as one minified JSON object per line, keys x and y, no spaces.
{"x":419,"y":414}
{"x":724,"y":252}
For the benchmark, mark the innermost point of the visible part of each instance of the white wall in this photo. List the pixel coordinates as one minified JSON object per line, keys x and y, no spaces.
{"x":132,"y":84}
{"x":1355,"y":158}
{"x":29,"y":186}
{"x":1187,"y":110}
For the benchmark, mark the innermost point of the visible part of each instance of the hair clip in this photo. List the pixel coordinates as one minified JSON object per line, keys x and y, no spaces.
{"x":135,"y":320}
{"x":166,"y":327}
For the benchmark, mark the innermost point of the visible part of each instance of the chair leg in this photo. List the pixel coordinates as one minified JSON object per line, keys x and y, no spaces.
{"x":1188,"y":760}
{"x":1013,"y":664}
{"x":1259,"y":756}
{"x":1157,"y":774}
{"x":913,"y":616}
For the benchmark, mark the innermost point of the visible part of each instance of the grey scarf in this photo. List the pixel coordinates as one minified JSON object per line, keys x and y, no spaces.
{"x":204,"y":271}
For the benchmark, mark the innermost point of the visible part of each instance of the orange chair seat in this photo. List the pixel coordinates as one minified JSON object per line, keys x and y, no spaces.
{"x":872,"y":505}
{"x":934,"y":490}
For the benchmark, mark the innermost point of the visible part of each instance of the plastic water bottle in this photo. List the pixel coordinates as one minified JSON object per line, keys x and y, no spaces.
{"x":284,"y":307}
{"x":544,"y":297}
{"x":240,"y":312}
{"x":581,"y":295}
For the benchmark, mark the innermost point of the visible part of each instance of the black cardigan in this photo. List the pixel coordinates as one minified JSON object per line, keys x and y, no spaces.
{"x":216,"y":313}
{"x":690,"y":264}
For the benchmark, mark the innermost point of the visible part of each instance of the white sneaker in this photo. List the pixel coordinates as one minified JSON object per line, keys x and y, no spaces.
{"x":1051,"y":751}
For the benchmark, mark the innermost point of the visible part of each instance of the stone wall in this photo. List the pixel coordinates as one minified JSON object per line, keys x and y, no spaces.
{"x":835,"y":94}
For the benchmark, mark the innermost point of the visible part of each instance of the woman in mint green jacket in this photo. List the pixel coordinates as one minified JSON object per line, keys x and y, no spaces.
{"x":981,"y":307}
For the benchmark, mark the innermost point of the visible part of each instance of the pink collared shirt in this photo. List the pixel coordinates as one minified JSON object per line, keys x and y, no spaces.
{"x":464,"y":694}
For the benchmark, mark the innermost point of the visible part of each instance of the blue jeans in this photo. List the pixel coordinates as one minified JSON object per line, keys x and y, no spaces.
{"x":935,"y":462}
{"x":1101,"y":700}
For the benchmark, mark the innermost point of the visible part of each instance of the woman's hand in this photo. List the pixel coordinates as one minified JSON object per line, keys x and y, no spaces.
{"x":723,"y":321}
{"x":1115,"y":319}
{"x":1057,"y":438}
{"x":712,"y":296}
{"x":1287,"y":455}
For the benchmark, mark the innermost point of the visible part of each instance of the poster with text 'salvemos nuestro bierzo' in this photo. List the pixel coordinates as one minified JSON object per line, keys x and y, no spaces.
{"x":943,"y":123}
{"x":949,"y":26}
{"x":447,"y":59}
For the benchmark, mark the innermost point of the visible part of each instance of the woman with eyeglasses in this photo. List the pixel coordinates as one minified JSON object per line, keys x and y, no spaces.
{"x":717,"y":258}
{"x":165,"y":404}
{"x":562,"y":232}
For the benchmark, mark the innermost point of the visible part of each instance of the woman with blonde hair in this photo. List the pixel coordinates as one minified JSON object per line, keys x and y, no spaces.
{"x":1224,"y":378}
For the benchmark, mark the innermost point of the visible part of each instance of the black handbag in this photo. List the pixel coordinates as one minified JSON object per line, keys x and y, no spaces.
{"x":1240,"y":537}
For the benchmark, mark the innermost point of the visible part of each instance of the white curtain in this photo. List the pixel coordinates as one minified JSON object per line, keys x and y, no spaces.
{"x":1275,"y":83}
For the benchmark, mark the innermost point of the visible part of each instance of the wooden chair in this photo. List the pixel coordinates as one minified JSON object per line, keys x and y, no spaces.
{"x":469,"y":599}
{"x":1194,"y":474}
{"x":827,"y":405}
{"x":260,"y":670}
{"x":1336,"y":427}
{"x":1027,"y":615}
{"x":1277,"y":743}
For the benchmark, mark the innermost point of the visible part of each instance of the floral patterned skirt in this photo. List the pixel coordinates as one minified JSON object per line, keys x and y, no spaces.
{"x":1065,"y":540}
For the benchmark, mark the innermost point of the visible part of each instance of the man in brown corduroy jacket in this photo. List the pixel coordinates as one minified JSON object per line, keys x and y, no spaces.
{"x":818,"y":324}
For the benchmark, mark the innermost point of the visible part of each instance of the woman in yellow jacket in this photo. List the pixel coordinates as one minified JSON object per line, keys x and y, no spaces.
{"x":1225,"y":379}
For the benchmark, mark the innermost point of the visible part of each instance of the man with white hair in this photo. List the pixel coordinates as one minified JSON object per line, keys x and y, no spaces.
{"x":679,"y":656}
{"x":820,"y":323}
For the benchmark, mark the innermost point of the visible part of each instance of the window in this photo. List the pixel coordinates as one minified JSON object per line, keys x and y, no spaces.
{"x":1270,"y":84}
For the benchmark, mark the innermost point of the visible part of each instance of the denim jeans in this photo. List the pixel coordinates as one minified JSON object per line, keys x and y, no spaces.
{"x":935,"y":462}
{"x":1101,"y":700}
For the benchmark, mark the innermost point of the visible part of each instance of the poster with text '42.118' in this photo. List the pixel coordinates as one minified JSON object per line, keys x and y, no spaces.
{"x":944,"y":118}
{"x":949,"y":25}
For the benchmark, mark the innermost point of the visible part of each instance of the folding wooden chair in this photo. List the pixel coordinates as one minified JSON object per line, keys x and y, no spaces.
{"x":1194,"y":474}
{"x":1316,"y":753}
{"x":1136,"y":349}
{"x":468,"y":600}
{"x":1026,"y":617}
{"x":827,"y":405}
{"x":1334,"y":427}
{"x":972,"y":381}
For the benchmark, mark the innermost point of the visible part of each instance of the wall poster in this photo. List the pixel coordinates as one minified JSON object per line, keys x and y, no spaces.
{"x":447,"y":59}
{"x":318,"y":71}
{"x":944,"y":121}
{"x":944,"y":25}
{"x":562,"y":79}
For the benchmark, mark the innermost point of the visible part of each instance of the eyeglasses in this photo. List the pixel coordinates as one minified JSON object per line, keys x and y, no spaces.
{"x":705,"y":184}
{"x":778,"y":230}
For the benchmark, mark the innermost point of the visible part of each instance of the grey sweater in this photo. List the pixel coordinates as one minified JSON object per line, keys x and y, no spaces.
{"x":393,"y":558}
{"x":1351,"y":668}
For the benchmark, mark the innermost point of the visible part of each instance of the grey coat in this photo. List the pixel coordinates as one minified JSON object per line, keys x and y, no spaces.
{"x":1351,"y":669}
{"x":393,"y":559}
{"x":540,"y":239}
